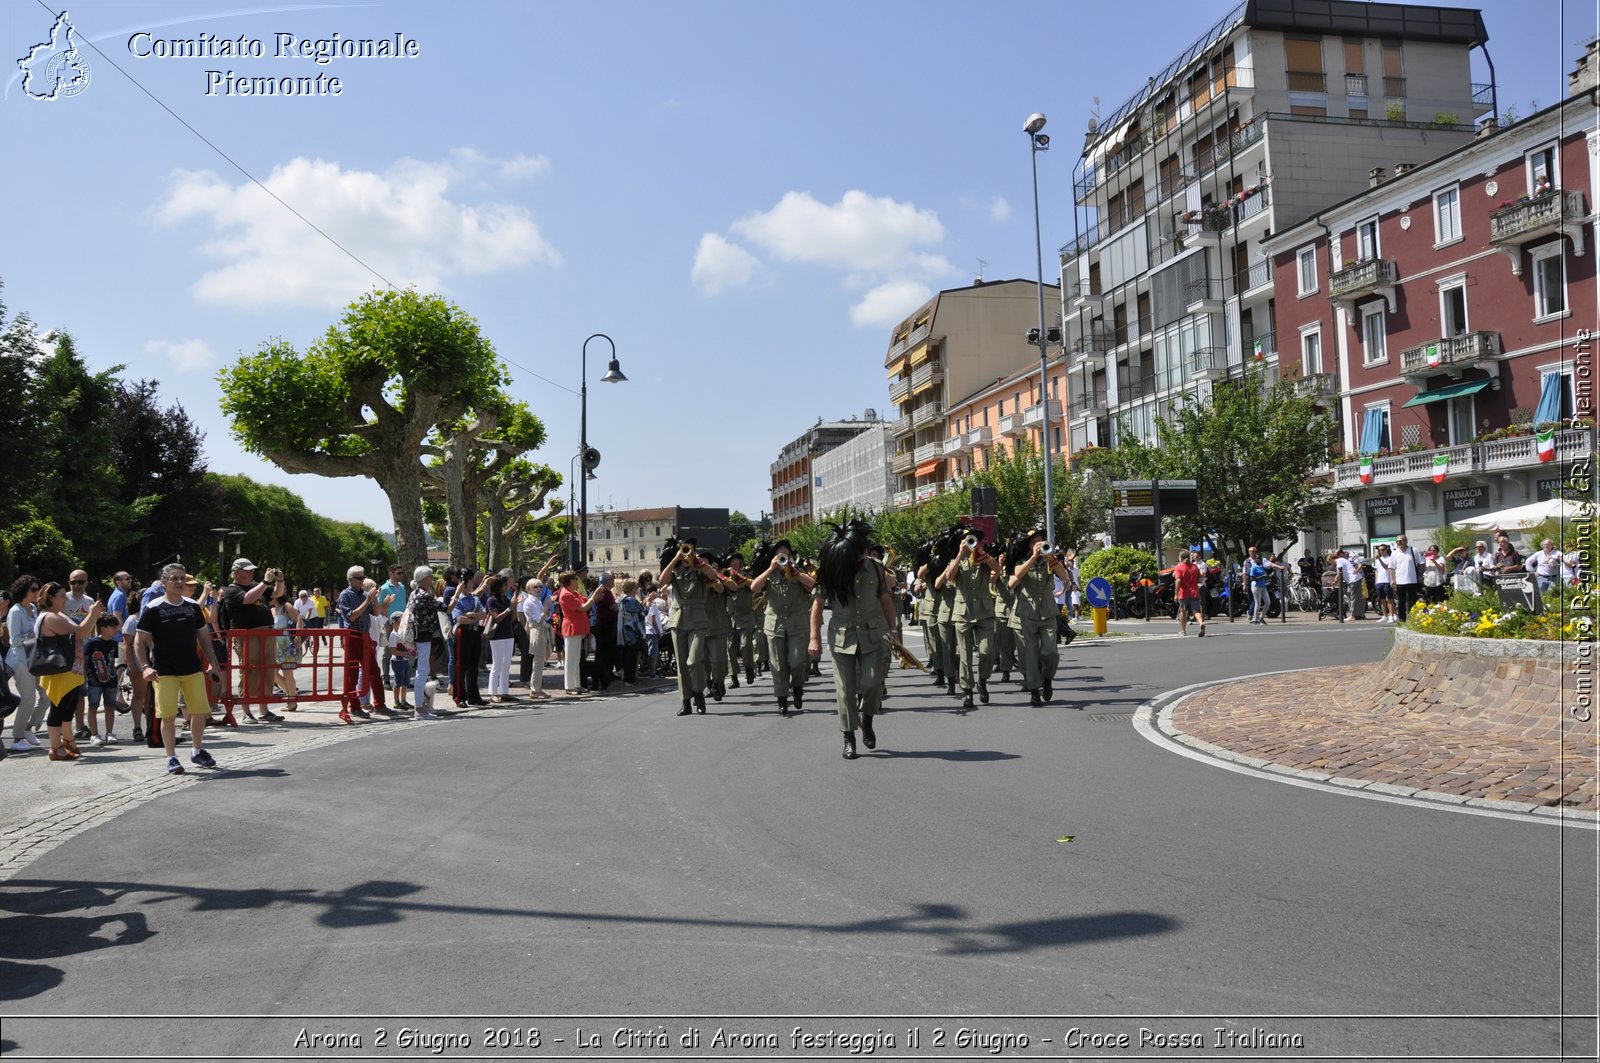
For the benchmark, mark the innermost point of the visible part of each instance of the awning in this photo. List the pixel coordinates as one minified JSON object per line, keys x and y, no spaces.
{"x":928,"y":468}
{"x":1449,"y":391}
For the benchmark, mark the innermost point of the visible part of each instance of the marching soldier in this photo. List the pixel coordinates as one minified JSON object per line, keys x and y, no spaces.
{"x":688,"y":619}
{"x":785,"y":619}
{"x":1005,"y":643}
{"x":971,"y":576}
{"x":1033,"y":615}
{"x":856,"y":590}
{"x":945,"y":597}
{"x":719,"y":626}
{"x":925,"y":570}
{"x":746,"y":629}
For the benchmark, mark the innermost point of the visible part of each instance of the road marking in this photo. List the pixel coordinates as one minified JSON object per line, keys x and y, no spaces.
{"x":1153,"y":720}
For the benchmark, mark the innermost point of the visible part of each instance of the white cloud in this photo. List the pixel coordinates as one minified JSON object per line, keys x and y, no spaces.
{"x":187,"y":356}
{"x":523,"y":166}
{"x":719,"y":264}
{"x":999,"y":210}
{"x":860,"y":232}
{"x":890,"y":302}
{"x":402,"y":223}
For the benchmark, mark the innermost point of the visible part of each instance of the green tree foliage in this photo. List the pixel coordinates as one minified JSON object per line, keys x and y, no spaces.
{"x":1117,"y":564}
{"x":37,"y":546}
{"x":1250,"y":451}
{"x":280,"y":532}
{"x":155,"y":452}
{"x":362,"y":399}
{"x":463,"y":457}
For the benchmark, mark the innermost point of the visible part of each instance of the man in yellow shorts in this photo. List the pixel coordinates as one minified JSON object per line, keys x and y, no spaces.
{"x":174,"y":654}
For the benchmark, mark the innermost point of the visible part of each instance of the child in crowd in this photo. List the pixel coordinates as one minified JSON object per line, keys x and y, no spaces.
{"x":100,"y":676}
{"x":402,"y":659}
{"x":286,"y":653}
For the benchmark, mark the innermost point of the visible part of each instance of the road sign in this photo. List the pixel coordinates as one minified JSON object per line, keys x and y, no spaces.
{"x":1134,"y":499}
{"x":1098,"y":592}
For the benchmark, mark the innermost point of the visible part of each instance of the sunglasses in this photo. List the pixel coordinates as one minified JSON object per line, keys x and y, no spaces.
{"x":78,"y":582}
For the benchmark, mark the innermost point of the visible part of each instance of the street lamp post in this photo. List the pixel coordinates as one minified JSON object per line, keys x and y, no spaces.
{"x":1039,"y":142}
{"x":613,"y":376}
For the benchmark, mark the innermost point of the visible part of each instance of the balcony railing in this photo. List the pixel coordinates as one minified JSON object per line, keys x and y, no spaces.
{"x":1540,"y":215}
{"x":1394,"y":87}
{"x":1130,"y":388}
{"x":904,"y":498}
{"x":1208,"y":363}
{"x":1098,"y":340}
{"x":1236,"y":144}
{"x":1317,"y":386}
{"x":897,"y":349}
{"x":1266,"y":345}
{"x":899,"y":389}
{"x":1483,"y":101}
{"x":1308,"y":81}
{"x":1203,"y":296}
{"x":956,"y":444}
{"x":1091,"y":403}
{"x":927,"y":491}
{"x":918,"y":334}
{"x":925,"y":374}
{"x":1517,"y":452}
{"x":902,"y":461}
{"x":927,"y":413}
{"x":901,"y":426}
{"x":1252,"y":205}
{"x":1011,"y":425}
{"x":1355,"y":84}
{"x":929,"y":451}
{"x":1450,"y":354}
{"x":1364,"y":278}
{"x":1034,"y":415}
{"x":980,"y":436}
{"x":1258,"y":275}
{"x":1522,"y":451}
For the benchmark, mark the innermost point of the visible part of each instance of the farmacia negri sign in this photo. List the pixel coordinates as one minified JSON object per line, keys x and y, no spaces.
{"x":318,"y":50}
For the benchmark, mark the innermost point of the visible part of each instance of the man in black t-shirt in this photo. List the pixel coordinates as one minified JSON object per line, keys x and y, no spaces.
{"x":247,"y":606}
{"x":173,"y":652}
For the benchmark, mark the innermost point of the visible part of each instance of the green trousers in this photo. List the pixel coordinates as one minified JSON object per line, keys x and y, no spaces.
{"x":947,"y":643}
{"x":858,"y":684}
{"x":975,"y":638}
{"x":742,"y":649}
{"x":716,"y":655}
{"x":690,"y":647}
{"x":1005,"y":647}
{"x":933,"y":639}
{"x":1036,"y":641}
{"x":789,"y":662}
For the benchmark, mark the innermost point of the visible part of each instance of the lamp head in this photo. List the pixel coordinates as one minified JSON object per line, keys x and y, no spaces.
{"x":1033,"y":336}
{"x":613,"y":374}
{"x":1034,"y":123}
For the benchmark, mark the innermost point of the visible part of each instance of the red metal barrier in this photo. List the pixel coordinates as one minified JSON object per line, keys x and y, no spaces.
{"x":327,"y":670}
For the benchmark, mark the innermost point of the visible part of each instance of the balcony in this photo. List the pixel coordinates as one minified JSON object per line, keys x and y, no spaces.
{"x":1130,"y":387}
{"x":1407,"y":468}
{"x":1208,"y":363}
{"x":1253,"y":205}
{"x":896,"y":350}
{"x":1033,"y":416}
{"x":955,"y":445}
{"x":1512,"y":227}
{"x":1010,"y":425}
{"x":1375,"y":276}
{"x":1308,"y":81}
{"x":1236,"y":144}
{"x":1355,"y":84}
{"x":902,"y":462}
{"x":1208,"y":225}
{"x":1262,"y":346}
{"x":1099,"y":339}
{"x":929,"y":451}
{"x":1451,"y":354}
{"x":900,"y":426}
{"x":1090,"y":404}
{"x":899,"y":389}
{"x":927,"y":491}
{"x":1520,"y":451}
{"x":918,"y":334}
{"x":1256,"y":278}
{"x":925,"y":374}
{"x":904,"y":498}
{"x":1203,"y":297}
{"x":928,"y":413}
{"x":1319,"y":387}
{"x":981,"y":436}
{"x":1394,"y":88}
{"x":1084,"y":296}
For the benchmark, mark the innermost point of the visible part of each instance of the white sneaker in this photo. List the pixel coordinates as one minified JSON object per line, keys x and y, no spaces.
{"x":98,"y":740}
{"x":32,"y":739}
{"x":110,"y":739}
{"x":20,"y":746}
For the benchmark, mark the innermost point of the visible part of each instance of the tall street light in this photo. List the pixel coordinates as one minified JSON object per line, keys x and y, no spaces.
{"x":591,"y":458}
{"x":1039,"y":142}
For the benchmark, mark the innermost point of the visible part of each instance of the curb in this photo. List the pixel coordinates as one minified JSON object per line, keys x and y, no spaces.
{"x":1153,"y":721}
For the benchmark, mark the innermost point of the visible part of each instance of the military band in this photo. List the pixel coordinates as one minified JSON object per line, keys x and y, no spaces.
{"x":785,"y":620}
{"x":855,"y":591}
{"x":971,"y":575}
{"x":1033,"y":568}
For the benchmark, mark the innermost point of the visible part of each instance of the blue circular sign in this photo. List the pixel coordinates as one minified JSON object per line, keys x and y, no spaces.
{"x":1098,"y":591}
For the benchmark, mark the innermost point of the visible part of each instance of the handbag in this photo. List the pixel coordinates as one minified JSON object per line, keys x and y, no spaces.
{"x":51,"y":655}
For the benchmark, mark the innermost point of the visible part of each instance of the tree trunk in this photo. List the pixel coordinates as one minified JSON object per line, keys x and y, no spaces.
{"x":494,"y":531}
{"x":461,"y":521}
{"x":400,"y":481}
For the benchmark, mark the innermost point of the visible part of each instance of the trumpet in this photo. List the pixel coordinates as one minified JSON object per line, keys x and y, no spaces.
{"x":783,"y":561}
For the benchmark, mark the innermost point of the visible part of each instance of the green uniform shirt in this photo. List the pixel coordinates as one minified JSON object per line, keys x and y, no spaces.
{"x":690,"y":601}
{"x":788,"y":611}
{"x":974,"y":597}
{"x":741,"y":606}
{"x":1035,"y":599}
{"x":1003,"y":598}
{"x":944,"y":603}
{"x":858,"y":626}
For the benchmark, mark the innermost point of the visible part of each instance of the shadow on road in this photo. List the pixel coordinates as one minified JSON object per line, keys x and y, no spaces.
{"x":50,"y":922}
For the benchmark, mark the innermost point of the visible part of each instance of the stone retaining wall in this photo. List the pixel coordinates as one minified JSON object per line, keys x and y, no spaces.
{"x":1536,"y":689}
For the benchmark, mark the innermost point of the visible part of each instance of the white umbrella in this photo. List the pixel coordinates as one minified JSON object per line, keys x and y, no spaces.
{"x":1529,"y":516}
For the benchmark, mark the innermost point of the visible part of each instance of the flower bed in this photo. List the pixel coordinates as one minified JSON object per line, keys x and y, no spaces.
{"x":1481,"y":616}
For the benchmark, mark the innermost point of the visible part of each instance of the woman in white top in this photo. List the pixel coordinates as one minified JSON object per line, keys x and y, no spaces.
{"x":24,"y":612}
{"x":1383,"y":583}
{"x":532,"y":608}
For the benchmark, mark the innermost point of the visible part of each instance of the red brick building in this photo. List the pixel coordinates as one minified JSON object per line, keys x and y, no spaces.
{"x":1444,"y":315}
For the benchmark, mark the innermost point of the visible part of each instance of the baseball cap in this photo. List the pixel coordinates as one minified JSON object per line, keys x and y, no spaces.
{"x":243,"y":565}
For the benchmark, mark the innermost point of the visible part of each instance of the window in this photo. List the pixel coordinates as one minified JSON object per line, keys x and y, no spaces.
{"x":1374,"y":429}
{"x":1367,"y":240}
{"x":658,"y":531}
{"x":1549,"y":282}
{"x":1453,"y":308}
{"x":1001,"y":412}
{"x":1542,"y":168}
{"x":624,"y":533}
{"x":1311,"y":351}
{"x":1305,"y":64}
{"x":1394,"y":79}
{"x":1306,"y":265}
{"x":624,"y":553}
{"x":1447,"y":216}
{"x":1374,"y":349}
{"x":1461,"y":414}
{"x":1555,"y":395}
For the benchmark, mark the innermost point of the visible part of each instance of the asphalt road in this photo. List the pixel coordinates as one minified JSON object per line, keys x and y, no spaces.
{"x":610,"y":859}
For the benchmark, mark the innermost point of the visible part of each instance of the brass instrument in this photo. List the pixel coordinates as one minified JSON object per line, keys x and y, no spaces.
{"x":906,"y":657}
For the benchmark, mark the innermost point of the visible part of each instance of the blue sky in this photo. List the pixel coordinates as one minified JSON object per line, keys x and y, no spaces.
{"x":744,"y":196}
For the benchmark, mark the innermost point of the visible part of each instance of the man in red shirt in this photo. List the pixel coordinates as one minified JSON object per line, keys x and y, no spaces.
{"x":1186,"y":577}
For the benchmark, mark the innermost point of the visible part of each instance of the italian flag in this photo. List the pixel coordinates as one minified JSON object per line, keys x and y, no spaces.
{"x":1441,"y":467}
{"x":1366,"y":470}
{"x":1545,"y":443}
{"x":1433,"y":355}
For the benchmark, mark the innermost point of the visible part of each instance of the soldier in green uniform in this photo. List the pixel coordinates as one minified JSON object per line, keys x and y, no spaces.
{"x":785,"y":619}
{"x":1005,"y":643}
{"x":719,"y":627}
{"x":856,"y":590}
{"x":689,"y":620}
{"x":1033,"y":615}
{"x":944,"y":614}
{"x":746,"y":628}
{"x":971,"y":574}
{"x":924,"y":572}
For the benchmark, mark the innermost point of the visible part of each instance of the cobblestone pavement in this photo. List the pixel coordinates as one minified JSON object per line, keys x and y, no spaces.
{"x":1313,"y":722}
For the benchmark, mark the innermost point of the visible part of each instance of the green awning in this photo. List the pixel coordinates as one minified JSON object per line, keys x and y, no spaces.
{"x":1449,"y":391}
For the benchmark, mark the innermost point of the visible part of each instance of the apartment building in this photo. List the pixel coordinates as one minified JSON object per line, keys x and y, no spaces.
{"x":854,"y":475}
{"x":1445,"y":315}
{"x":792,"y":473}
{"x":954,"y":346}
{"x":630,"y":540}
{"x":1279,"y":108}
